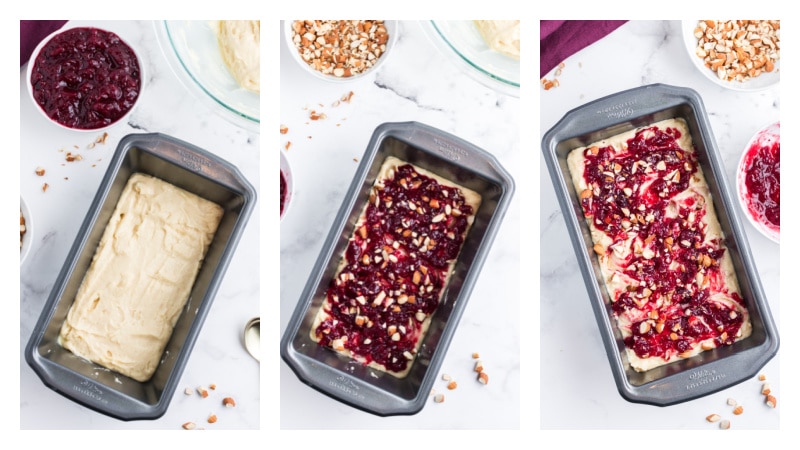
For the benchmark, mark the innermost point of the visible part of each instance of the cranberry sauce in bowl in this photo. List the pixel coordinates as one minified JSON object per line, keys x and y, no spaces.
{"x":84,"y":78}
{"x":287,"y":184}
{"x":283,"y":192}
{"x":759,"y":181}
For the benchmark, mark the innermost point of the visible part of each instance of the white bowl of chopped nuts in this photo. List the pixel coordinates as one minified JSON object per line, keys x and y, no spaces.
{"x":340,"y":50}
{"x":25,"y":230}
{"x":742,"y":55}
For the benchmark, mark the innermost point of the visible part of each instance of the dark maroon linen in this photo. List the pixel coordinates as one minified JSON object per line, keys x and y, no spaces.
{"x":559,"y":39}
{"x":31,"y":32}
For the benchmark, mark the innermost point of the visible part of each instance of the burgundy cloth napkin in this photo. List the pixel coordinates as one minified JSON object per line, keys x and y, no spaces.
{"x":559,"y":39}
{"x":31,"y":32}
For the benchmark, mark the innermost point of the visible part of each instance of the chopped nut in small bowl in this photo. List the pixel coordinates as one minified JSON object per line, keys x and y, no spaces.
{"x":742,"y":55}
{"x":340,"y":50}
{"x":25,"y":230}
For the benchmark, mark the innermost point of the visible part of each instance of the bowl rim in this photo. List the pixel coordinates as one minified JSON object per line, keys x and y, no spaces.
{"x":70,"y":26}
{"x":392,"y":27}
{"x":763,"y":82}
{"x":741,"y":191}
{"x":288,"y":174}
{"x":25,"y":248}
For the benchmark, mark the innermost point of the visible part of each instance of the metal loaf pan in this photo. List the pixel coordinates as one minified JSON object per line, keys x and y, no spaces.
{"x":90,"y":384}
{"x":710,"y":371}
{"x":345,"y":379}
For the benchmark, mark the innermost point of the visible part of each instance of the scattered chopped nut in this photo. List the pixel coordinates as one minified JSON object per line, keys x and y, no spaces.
{"x":725,"y":424}
{"x":317,"y":116}
{"x":212,"y":386}
{"x":446,"y":377}
{"x":228,"y":402}
{"x":479,"y":366}
{"x":202,"y":391}
{"x":284,"y":129}
{"x":452,"y":385}
{"x":40,"y":171}
{"x":189,"y":426}
{"x":287,"y":145}
{"x":342,"y":48}
{"x":483,"y":378}
{"x":738,"y":410}
{"x":44,"y":187}
{"x":713,"y":418}
{"x":762,"y":377}
{"x":73,"y":157}
{"x":550,"y":84}
{"x":438,"y":398}
{"x":765,"y":390}
{"x":476,"y":355}
{"x":188,"y":391}
{"x":212,"y":418}
{"x":732,"y":402}
{"x":771,"y":401}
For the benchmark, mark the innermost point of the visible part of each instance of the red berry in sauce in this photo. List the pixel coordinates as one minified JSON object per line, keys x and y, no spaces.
{"x":85,"y":78}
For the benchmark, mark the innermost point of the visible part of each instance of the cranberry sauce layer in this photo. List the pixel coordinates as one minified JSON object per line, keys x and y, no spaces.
{"x":395,"y":268}
{"x":659,"y":242}
{"x":763,"y":183}
{"x":85,"y":78}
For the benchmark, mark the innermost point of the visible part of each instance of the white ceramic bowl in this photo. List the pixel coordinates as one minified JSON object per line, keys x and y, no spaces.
{"x":121,"y":119}
{"x":462,"y":44}
{"x":767,"y":136}
{"x":27,"y":238}
{"x":286,"y":173}
{"x":191,"y":48}
{"x":391,"y":28}
{"x":764,"y":81}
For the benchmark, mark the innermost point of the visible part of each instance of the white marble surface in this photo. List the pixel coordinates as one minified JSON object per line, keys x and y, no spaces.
{"x":415,"y":84}
{"x":576,"y":388}
{"x":218,"y":357}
